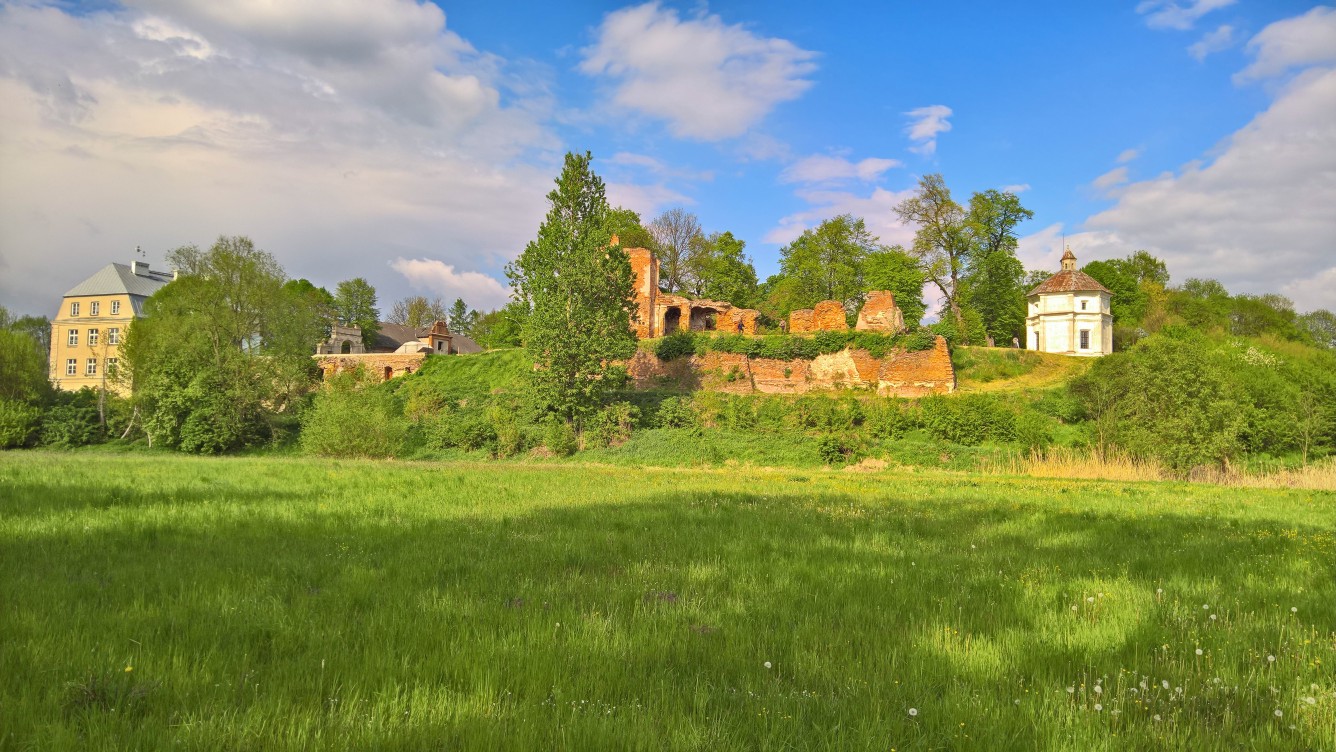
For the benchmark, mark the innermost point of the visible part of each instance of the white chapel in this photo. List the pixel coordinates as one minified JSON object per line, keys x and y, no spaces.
{"x":1069,"y":314}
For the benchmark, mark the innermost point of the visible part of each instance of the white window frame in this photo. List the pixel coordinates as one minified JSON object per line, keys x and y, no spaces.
{"x":71,"y":366}
{"x":91,"y":368}
{"x":73,"y":339}
{"x":92,"y":337}
{"x":74,"y":308}
{"x":115,"y":307}
{"x":94,"y":308}
{"x":111,"y":365}
{"x":114,"y":335}
{"x":1085,"y":339}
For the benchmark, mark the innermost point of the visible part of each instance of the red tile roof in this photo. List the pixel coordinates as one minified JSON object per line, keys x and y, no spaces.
{"x":1069,"y":281}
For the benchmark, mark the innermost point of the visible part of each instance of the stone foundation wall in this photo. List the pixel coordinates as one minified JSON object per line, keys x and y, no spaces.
{"x":384,"y":365}
{"x":900,"y":374}
{"x":880,"y":314}
{"x":827,"y":316}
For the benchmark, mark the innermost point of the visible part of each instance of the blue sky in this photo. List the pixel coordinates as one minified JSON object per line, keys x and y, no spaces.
{"x":413,"y":143}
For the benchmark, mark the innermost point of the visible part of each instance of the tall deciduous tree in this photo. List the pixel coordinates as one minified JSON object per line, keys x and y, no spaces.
{"x":355,"y":305}
{"x":577,"y":289}
{"x":418,"y":312}
{"x":826,"y":263}
{"x":221,"y":349}
{"x":630,"y":232}
{"x":943,"y":243}
{"x":674,"y":231}
{"x":895,"y":270}
{"x":720,"y":270}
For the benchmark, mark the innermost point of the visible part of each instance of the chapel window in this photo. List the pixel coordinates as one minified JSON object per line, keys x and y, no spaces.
{"x":1085,"y":339}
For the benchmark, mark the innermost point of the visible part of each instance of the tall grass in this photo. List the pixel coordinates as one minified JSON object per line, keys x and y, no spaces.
{"x":1075,"y":463}
{"x":164,"y":602}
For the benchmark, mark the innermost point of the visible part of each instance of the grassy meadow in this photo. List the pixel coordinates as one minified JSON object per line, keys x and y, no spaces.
{"x":158,"y":601}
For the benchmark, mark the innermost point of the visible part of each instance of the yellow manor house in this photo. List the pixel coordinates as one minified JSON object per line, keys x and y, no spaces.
{"x":94,"y":315}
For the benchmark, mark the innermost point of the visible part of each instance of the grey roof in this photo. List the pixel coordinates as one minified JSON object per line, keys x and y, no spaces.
{"x":464,"y":346}
{"x":118,"y":279}
{"x":390,"y":335}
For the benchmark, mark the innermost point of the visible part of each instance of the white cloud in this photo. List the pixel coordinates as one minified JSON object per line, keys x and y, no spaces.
{"x":1169,"y":14}
{"x":822,"y":168}
{"x":1016,"y":188}
{"x":1304,"y":40}
{"x":1258,"y":217}
{"x":439,"y":278}
{"x":926,"y":123}
{"x":1220,"y":39}
{"x":707,"y":79}
{"x":1127,"y":155}
{"x":877,"y":210}
{"x":646,"y":200}
{"x":1314,"y":291}
{"x":338,"y":135}
{"x":1114,"y":177}
{"x":658,"y":167}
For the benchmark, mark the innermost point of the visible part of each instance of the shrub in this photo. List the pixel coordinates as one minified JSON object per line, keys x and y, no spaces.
{"x":969,"y":420}
{"x":675,"y":412}
{"x":611,"y":425}
{"x":559,"y":438}
{"x":1033,"y":430}
{"x":505,"y":426}
{"x":18,"y":422}
{"x":351,"y":419}
{"x":71,"y":420}
{"x":675,"y":345}
{"x":888,"y":419}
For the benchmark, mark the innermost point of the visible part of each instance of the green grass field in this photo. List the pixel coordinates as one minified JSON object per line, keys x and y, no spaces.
{"x":153,"y":601}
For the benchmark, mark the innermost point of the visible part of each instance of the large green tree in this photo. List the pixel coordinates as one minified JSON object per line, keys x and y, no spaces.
{"x":355,"y":305}
{"x":895,"y":270}
{"x":994,"y":284}
{"x":577,"y":289}
{"x":720,"y":270}
{"x":630,"y":231}
{"x":826,"y":262}
{"x":943,"y":243}
{"x":221,"y":349}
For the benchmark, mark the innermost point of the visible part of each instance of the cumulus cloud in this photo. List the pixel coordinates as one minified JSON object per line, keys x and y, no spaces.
{"x":1114,"y":177}
{"x":1169,"y":14}
{"x":1301,"y":41}
{"x":1258,"y":216}
{"x":338,"y":135}
{"x":1016,"y":188}
{"x":1220,"y":39}
{"x":877,"y":210}
{"x":439,"y":278}
{"x":707,"y":79}
{"x":821,"y":168}
{"x":1127,"y":155}
{"x":924,"y":125}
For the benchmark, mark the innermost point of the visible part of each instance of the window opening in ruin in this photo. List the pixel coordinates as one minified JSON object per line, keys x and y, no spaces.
{"x":702,"y":320}
{"x":346,"y":347}
{"x":1085,"y":339}
{"x":672,"y":320}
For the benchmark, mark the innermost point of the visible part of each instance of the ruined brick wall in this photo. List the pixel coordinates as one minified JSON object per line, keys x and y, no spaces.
{"x":880,"y":314}
{"x":646,"y":269}
{"x":384,"y":365}
{"x":828,"y":316}
{"x":728,"y":320}
{"x":899,"y":374}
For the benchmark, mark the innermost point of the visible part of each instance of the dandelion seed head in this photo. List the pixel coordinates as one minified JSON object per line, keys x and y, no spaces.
{"x":1071,"y":690}
{"x":1157,"y":717}
{"x":1099,"y":690}
{"x":1198,"y":651}
{"x":913,"y":712}
{"x":1212,"y":617}
{"x":1279,"y":712}
{"x":1271,"y":659}
{"x":1310,"y":700}
{"x":1098,"y":707}
{"x":1294,"y":609}
{"x":1164,"y":683}
{"x":767,"y":664}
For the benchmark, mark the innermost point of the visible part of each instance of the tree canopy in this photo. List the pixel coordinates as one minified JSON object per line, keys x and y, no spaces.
{"x":418,"y":312}
{"x":577,"y":289}
{"x":355,"y":305}
{"x":895,"y":270}
{"x":675,"y":232}
{"x":720,"y":270}
{"x":221,"y":349}
{"x":826,"y":262}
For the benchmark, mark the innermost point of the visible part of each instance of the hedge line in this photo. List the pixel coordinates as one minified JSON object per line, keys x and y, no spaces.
{"x":791,"y":347}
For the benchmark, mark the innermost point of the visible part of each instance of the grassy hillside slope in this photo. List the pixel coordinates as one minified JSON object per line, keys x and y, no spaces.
{"x":158,"y":601}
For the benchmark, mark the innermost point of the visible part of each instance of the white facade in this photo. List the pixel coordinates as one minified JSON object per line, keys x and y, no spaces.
{"x":1070,"y":323}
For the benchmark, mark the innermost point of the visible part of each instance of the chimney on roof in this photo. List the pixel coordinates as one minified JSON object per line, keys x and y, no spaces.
{"x":140,"y":268}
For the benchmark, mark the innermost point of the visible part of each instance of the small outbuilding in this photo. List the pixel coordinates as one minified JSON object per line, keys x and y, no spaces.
{"x":1069,"y":314}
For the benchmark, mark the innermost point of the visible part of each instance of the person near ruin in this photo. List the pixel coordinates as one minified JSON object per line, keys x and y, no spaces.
{"x":1016,"y":342}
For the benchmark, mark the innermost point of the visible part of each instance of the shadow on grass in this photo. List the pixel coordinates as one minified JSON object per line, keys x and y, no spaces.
{"x":669,"y":602}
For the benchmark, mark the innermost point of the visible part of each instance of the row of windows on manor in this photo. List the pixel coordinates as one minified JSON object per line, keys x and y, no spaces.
{"x":95,"y":308}
{"x":90,"y":367}
{"x":1085,"y":339}
{"x":113,"y":337}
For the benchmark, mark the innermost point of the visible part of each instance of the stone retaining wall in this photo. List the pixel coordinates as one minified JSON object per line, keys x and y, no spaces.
{"x":384,"y":365}
{"x":900,"y":374}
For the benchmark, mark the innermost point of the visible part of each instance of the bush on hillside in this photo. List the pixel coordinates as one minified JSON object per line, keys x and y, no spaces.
{"x":18,"y":423}
{"x":611,"y":425}
{"x":351,"y":418}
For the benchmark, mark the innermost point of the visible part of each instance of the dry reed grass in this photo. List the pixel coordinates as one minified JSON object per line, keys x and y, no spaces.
{"x":1064,"y":462}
